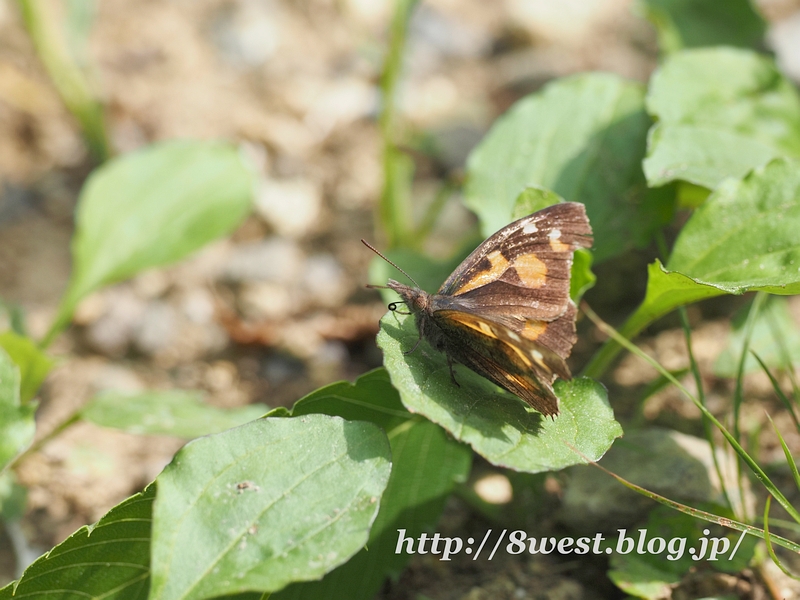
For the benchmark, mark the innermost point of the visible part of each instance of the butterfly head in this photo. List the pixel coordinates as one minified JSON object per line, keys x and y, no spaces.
{"x":417,"y":300}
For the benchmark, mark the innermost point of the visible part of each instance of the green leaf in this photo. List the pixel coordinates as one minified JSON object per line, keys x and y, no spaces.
{"x":426,"y":463}
{"x":582,"y":137}
{"x":17,"y":426}
{"x":533,"y":199}
{"x":109,"y":560}
{"x":272,"y":502}
{"x":34,"y":365}
{"x":581,"y":277}
{"x":498,"y":426}
{"x":774,"y":319}
{"x":151,"y":208}
{"x":695,"y":23}
{"x":721,"y":112}
{"x":179,"y":413}
{"x":743,"y":238}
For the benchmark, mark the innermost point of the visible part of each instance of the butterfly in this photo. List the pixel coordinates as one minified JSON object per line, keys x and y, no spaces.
{"x":505,"y":312}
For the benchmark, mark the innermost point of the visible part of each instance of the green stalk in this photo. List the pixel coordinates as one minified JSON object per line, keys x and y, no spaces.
{"x":67,"y":77}
{"x":754,"y":467}
{"x":394,"y":212}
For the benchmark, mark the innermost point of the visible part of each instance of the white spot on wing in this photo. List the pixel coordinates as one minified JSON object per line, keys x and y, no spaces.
{"x":554,"y":234}
{"x":537,"y":356}
{"x":530,"y":228}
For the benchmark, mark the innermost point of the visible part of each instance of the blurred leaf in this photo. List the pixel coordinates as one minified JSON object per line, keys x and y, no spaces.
{"x":743,"y":238}
{"x":774,"y":318}
{"x":533,"y":199}
{"x":581,"y":277}
{"x":498,"y":426}
{"x":151,"y":208}
{"x":34,"y":365}
{"x":695,"y":23}
{"x":426,"y":463}
{"x":721,"y":112}
{"x":691,"y":196}
{"x":109,"y":560}
{"x":271,"y":502}
{"x":17,"y":426}
{"x":166,"y":412}
{"x":582,"y":137}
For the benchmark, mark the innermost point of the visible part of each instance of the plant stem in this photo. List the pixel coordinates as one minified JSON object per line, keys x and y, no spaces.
{"x":394,"y":212}
{"x":67,"y":77}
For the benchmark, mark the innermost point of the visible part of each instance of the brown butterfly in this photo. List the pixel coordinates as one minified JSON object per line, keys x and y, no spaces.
{"x":505,"y":312}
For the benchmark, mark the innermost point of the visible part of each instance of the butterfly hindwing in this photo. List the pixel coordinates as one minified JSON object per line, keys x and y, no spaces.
{"x":524,"y":269}
{"x":524,"y":367}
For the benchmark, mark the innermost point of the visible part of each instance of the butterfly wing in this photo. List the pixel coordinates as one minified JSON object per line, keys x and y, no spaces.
{"x":524,"y":367}
{"x":523,"y":270}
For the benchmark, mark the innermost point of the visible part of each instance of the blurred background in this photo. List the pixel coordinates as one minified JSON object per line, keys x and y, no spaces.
{"x":279,"y":308}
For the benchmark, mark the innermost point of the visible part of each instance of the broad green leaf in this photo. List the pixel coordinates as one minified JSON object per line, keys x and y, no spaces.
{"x":743,"y":238}
{"x":581,"y":277}
{"x":696,"y":23}
{"x":426,"y":463}
{"x":34,"y":365}
{"x":151,"y":208}
{"x":269,"y":503}
{"x":582,"y":137}
{"x":498,"y":426}
{"x":721,"y":112}
{"x":533,"y":199}
{"x":109,"y":560}
{"x":775,"y":339}
{"x":16,"y":419}
{"x":178,"y":413}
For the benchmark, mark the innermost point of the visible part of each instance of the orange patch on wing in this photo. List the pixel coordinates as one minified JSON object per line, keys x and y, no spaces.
{"x":533,"y":329}
{"x":498,"y":263}
{"x":531,"y":271}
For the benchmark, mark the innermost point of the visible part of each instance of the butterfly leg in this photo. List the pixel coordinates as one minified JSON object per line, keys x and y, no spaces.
{"x":452,"y":373}
{"x":407,"y":352}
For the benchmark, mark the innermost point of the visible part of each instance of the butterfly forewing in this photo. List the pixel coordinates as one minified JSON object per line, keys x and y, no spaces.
{"x":505,"y":312}
{"x":524,"y":268}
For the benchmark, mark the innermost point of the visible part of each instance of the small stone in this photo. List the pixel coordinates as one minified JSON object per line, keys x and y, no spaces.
{"x":112,"y":333}
{"x":197,"y":305}
{"x":157,"y":328}
{"x":291,"y":206}
{"x":262,"y":300}
{"x":277,"y":260}
{"x":324,"y":280}
{"x":494,"y":488}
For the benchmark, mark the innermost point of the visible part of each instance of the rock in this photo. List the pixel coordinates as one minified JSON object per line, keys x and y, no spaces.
{"x":291,"y":206}
{"x":276,"y":260}
{"x":111,"y":333}
{"x":324,"y":281}
{"x":157,"y":328}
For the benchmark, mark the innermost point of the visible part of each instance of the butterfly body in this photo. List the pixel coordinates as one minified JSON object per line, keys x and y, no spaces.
{"x":505,"y":312}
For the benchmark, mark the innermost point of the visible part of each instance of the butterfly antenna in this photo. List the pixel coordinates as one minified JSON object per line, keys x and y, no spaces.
{"x":368,"y":245}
